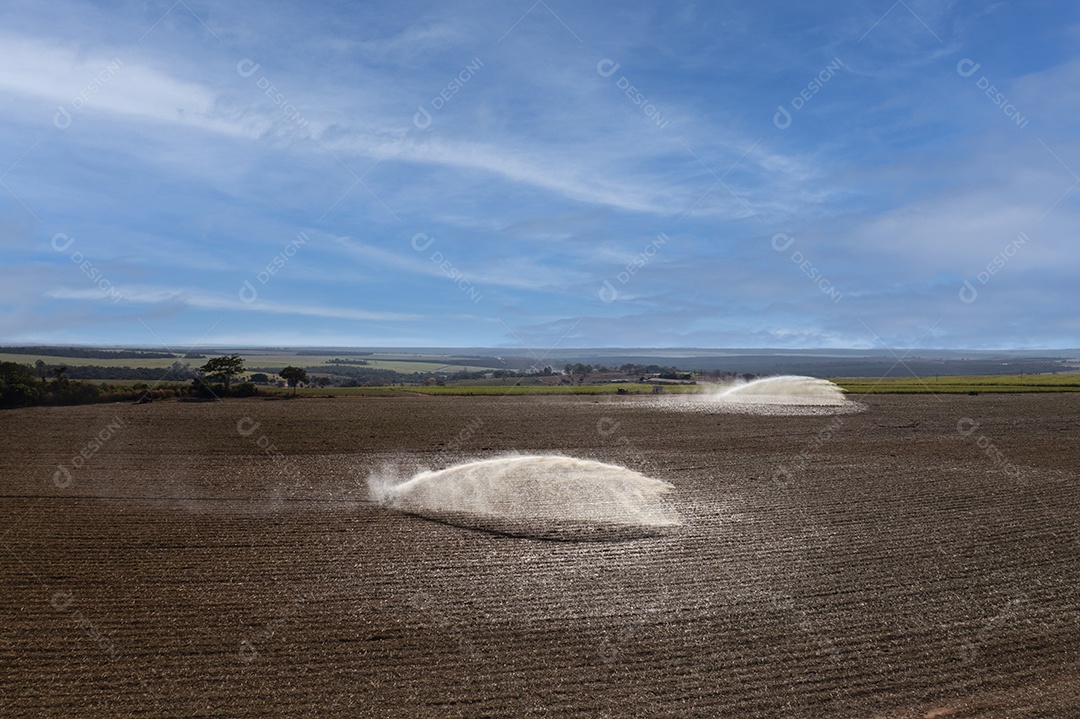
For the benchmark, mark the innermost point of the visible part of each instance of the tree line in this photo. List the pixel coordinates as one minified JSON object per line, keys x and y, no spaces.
{"x":177,"y":372}
{"x":23,"y":385}
{"x":91,"y":353}
{"x":218,"y":375}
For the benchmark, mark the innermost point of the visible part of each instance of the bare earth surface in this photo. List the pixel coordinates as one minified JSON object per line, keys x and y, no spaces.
{"x":222,"y":560}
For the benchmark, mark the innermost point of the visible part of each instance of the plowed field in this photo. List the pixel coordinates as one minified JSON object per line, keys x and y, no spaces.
{"x":918,"y":559}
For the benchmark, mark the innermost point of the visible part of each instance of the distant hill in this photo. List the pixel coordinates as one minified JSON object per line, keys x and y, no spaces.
{"x":88,"y":352}
{"x":822,"y":362}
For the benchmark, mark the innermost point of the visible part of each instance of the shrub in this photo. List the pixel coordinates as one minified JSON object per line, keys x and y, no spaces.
{"x":244,"y":389}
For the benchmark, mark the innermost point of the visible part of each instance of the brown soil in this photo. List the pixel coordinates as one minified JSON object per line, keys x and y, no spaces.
{"x":911,"y":564}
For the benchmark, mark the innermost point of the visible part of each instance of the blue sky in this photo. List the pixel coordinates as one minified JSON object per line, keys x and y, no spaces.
{"x":540,"y":174}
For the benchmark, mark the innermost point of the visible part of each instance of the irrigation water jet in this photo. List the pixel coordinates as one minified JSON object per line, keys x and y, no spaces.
{"x":538,"y":496}
{"x":784,"y":390}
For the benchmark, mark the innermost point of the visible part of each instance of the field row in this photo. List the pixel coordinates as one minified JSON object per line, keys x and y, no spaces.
{"x":962,"y":383}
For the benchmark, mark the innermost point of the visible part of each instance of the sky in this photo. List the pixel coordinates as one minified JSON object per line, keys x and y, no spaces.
{"x":540,"y":174}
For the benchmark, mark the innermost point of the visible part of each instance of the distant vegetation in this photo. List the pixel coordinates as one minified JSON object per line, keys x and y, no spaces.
{"x":89,"y":353}
{"x":223,"y":369}
{"x":338,"y":360}
{"x":178,"y":372}
{"x":21,"y":387}
{"x":49,"y":377}
{"x":294,"y":376}
{"x":320,"y":353}
{"x":970,"y":384}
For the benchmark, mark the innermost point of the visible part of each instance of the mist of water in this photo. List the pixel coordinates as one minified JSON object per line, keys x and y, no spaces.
{"x":783,"y":390}
{"x":537,"y":496}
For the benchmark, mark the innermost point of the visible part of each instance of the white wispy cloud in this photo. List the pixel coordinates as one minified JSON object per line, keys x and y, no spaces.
{"x":203,"y":300}
{"x":103,"y":82}
{"x":539,"y":177}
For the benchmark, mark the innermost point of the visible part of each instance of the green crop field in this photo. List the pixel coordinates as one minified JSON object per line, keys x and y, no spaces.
{"x":429,"y":365}
{"x":408,"y":366}
{"x":131,"y":383}
{"x":388,"y":362}
{"x":161,"y":363}
{"x":250,"y":360}
{"x":962,"y":384}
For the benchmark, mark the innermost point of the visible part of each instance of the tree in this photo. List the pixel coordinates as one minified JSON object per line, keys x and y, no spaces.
{"x":17,"y":385}
{"x":260,"y":378}
{"x":294,"y":376}
{"x":584,"y":370}
{"x":323,"y":381}
{"x":224,"y":369}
